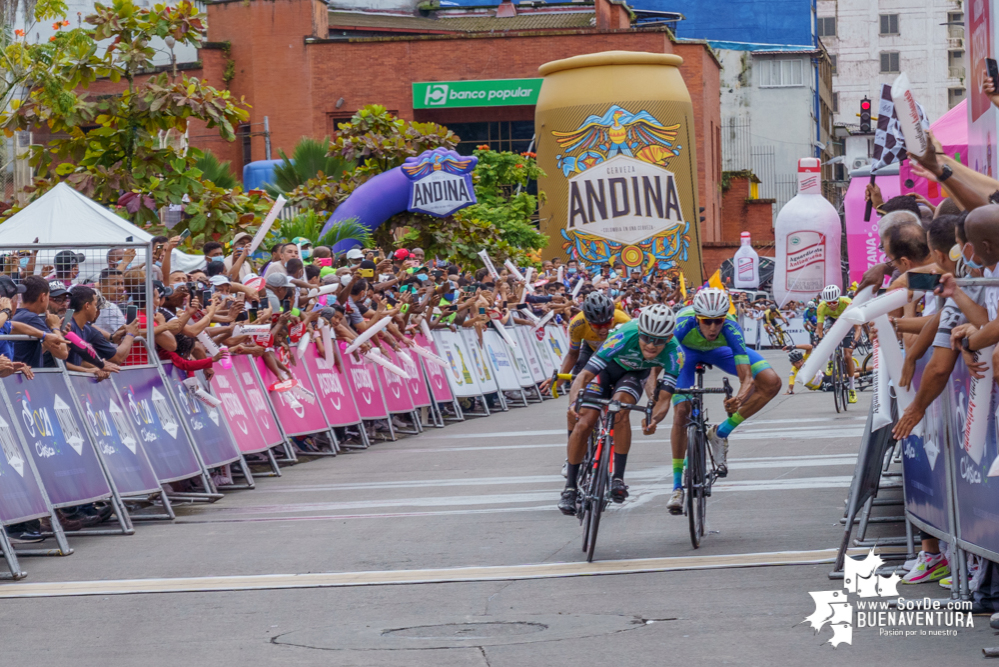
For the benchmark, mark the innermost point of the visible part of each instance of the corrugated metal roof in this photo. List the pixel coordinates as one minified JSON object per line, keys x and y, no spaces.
{"x":521,"y":22}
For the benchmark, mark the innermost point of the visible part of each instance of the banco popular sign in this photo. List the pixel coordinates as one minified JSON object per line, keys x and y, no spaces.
{"x":624,"y":200}
{"x":487,"y":93}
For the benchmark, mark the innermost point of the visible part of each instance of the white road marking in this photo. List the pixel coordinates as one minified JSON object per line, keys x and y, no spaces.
{"x":548,"y":495}
{"x":426,"y":576}
{"x":524,"y":434}
{"x":646,"y":474}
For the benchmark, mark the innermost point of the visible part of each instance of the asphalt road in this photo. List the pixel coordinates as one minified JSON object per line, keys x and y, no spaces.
{"x":446,"y":549}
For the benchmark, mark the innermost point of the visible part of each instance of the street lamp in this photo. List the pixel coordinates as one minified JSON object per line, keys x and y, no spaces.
{"x":171,"y":42}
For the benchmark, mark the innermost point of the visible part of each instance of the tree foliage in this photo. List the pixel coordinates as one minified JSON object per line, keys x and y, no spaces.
{"x":309,"y":160}
{"x":121,"y":149}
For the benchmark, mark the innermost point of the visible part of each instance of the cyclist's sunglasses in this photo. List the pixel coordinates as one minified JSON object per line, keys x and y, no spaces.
{"x":652,"y":340}
{"x":711,"y":321}
{"x":602,"y":325}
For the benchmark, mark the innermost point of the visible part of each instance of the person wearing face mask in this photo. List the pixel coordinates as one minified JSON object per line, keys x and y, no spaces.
{"x":213,"y":253}
{"x":304,"y":246}
{"x":980,"y":251}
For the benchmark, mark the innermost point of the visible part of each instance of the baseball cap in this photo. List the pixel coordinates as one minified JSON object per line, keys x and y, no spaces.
{"x":68,"y":258}
{"x":254,"y":282}
{"x":367,"y":264}
{"x":57,"y":288}
{"x":8,"y":288}
{"x":400,"y":254}
{"x":355,"y":253}
{"x":277,"y":279}
{"x":301,"y":241}
{"x":219,"y":280}
{"x":239,"y":237}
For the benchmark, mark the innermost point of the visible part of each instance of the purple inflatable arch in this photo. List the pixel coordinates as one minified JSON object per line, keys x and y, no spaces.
{"x":378,"y":199}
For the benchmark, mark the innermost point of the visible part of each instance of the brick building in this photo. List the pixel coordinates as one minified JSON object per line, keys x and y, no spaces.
{"x":742,"y":210}
{"x":306,"y":68}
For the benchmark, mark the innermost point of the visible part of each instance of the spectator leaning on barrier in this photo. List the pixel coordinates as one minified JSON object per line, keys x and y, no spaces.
{"x":30,"y":320}
{"x":83,"y":303}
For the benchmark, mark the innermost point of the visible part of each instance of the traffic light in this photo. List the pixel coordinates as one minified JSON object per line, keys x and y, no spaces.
{"x":865,"y":115}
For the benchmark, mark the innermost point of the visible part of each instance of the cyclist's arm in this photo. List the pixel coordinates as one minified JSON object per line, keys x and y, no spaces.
{"x":820,"y":322}
{"x":665,"y":388}
{"x":583,"y":379}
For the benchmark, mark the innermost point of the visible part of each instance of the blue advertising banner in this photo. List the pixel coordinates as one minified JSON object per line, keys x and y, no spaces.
{"x":20,"y":496}
{"x":925,"y":468}
{"x":977,"y":494}
{"x":211,"y":436}
{"x":63,"y":453}
{"x":114,"y":436}
{"x":148,"y":406}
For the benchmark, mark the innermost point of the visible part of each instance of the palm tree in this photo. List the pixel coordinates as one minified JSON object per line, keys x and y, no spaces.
{"x":307,"y":161}
{"x":309,"y":224}
{"x":215,"y":171}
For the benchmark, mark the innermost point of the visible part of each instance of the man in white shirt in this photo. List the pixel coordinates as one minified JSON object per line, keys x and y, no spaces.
{"x":288,"y":251}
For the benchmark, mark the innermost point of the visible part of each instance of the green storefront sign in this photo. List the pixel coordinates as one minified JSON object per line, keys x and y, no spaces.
{"x":489,"y":93}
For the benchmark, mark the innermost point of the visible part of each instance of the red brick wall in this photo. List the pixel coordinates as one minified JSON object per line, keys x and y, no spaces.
{"x":740,"y":214}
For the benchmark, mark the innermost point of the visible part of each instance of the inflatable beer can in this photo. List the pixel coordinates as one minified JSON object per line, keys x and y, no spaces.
{"x":615,"y":138}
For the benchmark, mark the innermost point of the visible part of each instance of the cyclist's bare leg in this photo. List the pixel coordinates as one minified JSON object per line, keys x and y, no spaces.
{"x":766,"y":385}
{"x":581,"y":434}
{"x":678,"y":436}
{"x":622,"y":424}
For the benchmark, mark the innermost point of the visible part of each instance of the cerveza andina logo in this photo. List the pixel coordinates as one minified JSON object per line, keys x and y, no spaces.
{"x":871,"y":602}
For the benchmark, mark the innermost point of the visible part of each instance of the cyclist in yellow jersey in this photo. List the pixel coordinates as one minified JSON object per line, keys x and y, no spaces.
{"x":587,"y":332}
{"x":797,"y":355}
{"x":833,"y":305}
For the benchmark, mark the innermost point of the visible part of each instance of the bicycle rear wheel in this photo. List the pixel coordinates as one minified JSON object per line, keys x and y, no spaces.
{"x":844,"y":382}
{"x":598,"y":500}
{"x":696,"y":467}
{"x":837,"y":380}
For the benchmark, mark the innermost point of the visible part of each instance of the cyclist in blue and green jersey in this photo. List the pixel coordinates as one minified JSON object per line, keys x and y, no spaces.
{"x":619,"y":369}
{"x":707,"y":334}
{"x":809,"y":317}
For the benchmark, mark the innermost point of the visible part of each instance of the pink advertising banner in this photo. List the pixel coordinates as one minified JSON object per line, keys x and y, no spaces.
{"x":298,"y":412}
{"x":435,"y":374}
{"x":364,"y":385}
{"x":331,"y":386}
{"x":418,"y":391}
{"x":226,"y":386}
{"x":397,"y":398}
{"x":256,"y":403}
{"x":862,"y":238}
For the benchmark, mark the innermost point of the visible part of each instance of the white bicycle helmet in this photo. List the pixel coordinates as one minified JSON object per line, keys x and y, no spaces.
{"x":830,"y":293}
{"x":711,"y":302}
{"x":656,"y":320}
{"x":811,"y":304}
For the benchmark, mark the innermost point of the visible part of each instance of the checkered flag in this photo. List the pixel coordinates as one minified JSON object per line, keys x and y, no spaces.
{"x":889,"y":144}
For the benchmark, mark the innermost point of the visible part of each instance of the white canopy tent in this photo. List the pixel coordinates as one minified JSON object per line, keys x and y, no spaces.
{"x":64,"y":216}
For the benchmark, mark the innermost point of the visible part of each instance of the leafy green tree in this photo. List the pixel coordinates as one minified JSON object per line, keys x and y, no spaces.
{"x":309,"y":225}
{"x":113,"y":148}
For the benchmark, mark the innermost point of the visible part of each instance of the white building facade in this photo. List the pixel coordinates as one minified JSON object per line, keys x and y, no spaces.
{"x":872,"y":42}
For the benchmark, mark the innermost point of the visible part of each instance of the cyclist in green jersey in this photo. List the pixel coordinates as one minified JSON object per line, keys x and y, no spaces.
{"x":833,"y":306}
{"x":619,"y":369}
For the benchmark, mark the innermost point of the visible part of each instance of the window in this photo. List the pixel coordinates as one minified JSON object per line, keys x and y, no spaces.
{"x":889,"y":62}
{"x":955,"y":64}
{"x":889,"y":24}
{"x":500,"y":136}
{"x":780,"y":73}
{"x":954,"y":96}
{"x":835,"y":102}
{"x":832,"y":62}
{"x":826,"y":27}
{"x":955,"y":25}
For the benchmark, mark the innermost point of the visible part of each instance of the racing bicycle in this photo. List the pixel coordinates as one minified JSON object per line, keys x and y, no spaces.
{"x":698,"y":476}
{"x":778,"y":337}
{"x":594,"y":480}
{"x":840,"y":376}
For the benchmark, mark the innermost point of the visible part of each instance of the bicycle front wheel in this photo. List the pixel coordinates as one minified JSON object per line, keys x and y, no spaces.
{"x":844,"y":382}
{"x":583,"y":483}
{"x":696,"y":470}
{"x":599,"y":484}
{"x":837,"y":381}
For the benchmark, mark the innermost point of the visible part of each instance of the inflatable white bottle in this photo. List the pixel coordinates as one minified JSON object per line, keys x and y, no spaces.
{"x":809,"y":233}
{"x":747,"y":265}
